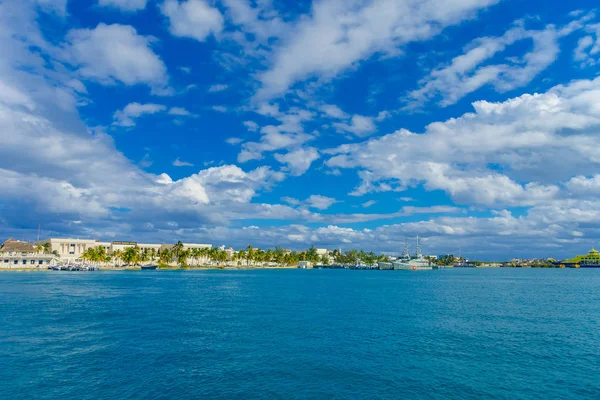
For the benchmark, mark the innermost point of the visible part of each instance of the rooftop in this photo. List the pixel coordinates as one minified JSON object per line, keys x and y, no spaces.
{"x":16,"y":246}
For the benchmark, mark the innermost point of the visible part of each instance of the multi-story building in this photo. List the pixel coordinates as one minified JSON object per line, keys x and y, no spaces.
{"x":74,"y":248}
{"x":17,"y":254}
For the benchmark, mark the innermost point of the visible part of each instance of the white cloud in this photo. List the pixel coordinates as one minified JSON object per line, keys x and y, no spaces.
{"x":116,"y":53}
{"x":251,"y":126}
{"x":333,"y":111}
{"x":298,"y":161}
{"x":194,"y":19}
{"x":337,"y":34}
{"x":217,"y":88}
{"x":509,"y":153}
{"x":359,"y":125}
{"x":315,"y":201}
{"x":369,"y":203}
{"x":132,"y":111}
{"x":58,"y":7}
{"x":124,"y":5}
{"x":320,"y":202}
{"x":220,"y":109}
{"x":289,"y":134}
{"x":179,"y":163}
{"x":185,"y":70}
{"x":259,"y":19}
{"x":179,"y":111}
{"x":468,"y":72}
{"x":234,"y":140}
{"x":588,"y":47}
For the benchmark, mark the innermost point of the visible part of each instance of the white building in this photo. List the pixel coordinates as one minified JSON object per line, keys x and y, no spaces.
{"x":194,"y":246}
{"x":325,"y":252}
{"x":17,"y":254}
{"x":74,"y":248}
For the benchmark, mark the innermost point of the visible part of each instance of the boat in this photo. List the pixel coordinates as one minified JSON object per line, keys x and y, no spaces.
{"x":590,"y":260}
{"x":383,"y":265}
{"x":414,"y":263}
{"x":148,"y":267}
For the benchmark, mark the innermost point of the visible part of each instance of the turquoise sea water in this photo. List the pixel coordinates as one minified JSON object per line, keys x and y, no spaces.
{"x":449,"y":334}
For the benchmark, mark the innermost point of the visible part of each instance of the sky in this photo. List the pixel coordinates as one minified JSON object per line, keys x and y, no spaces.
{"x":474,"y":124}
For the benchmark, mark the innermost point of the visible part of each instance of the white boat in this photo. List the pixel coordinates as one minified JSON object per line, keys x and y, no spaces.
{"x":415,"y":263}
{"x":385,"y":265}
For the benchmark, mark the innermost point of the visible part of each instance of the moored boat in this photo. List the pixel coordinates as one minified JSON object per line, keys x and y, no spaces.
{"x":148,"y":267}
{"x":415,"y":263}
{"x":385,"y":265}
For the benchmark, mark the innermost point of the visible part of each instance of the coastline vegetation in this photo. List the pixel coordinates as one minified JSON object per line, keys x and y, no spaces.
{"x":179,"y":257}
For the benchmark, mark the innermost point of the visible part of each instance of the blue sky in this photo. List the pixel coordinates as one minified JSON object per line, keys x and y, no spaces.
{"x":339,"y":124}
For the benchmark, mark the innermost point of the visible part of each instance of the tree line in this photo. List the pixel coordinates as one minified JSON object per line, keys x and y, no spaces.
{"x":183,"y":257}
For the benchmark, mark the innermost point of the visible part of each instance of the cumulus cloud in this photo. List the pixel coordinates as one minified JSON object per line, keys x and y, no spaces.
{"x":116,"y":53}
{"x":124,"y":5}
{"x":509,"y":153}
{"x":194,"y":19}
{"x":288,"y":134}
{"x":298,"y":161}
{"x":359,"y":125}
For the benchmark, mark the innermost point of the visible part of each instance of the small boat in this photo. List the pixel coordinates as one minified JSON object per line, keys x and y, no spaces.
{"x":149,"y":267}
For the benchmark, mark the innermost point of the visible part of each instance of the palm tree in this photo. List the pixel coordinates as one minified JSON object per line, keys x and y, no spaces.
{"x":117,"y":256}
{"x":182,"y":258}
{"x":241,"y":255}
{"x":39,"y":248}
{"x":249,"y":254}
{"x":312,"y":255}
{"x":177,"y":248}
{"x":165,"y":256}
{"x":131,"y":255}
{"x":47,"y":248}
{"x":279,"y":255}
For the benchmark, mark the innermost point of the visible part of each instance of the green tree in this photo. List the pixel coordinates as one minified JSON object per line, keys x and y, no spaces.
{"x":182,"y":257}
{"x":47,"y":248}
{"x":312,"y":255}
{"x":324,"y":259}
{"x":165,"y":256}
{"x":249,"y":254}
{"x":131,"y":255}
{"x":279,"y":255}
{"x":177,"y":247}
{"x":39,"y":248}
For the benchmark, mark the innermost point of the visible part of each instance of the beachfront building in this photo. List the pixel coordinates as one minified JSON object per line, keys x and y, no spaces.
{"x":74,"y":248}
{"x":326,"y":253}
{"x":121,"y":246}
{"x":18,"y":254}
{"x":196,"y":246}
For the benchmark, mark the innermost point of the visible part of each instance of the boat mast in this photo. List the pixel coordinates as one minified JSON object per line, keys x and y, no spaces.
{"x":418,"y":253}
{"x":405,"y":253}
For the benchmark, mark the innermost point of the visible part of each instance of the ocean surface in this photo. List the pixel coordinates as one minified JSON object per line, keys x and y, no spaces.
{"x":297,"y":334}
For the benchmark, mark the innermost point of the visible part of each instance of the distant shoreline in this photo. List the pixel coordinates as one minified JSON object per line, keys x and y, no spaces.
{"x":195,"y":268}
